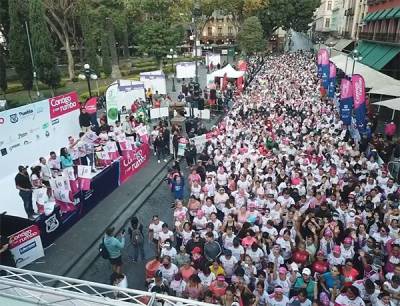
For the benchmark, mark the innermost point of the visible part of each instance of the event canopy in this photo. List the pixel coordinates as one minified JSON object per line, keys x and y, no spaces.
{"x":390,"y":90}
{"x":373,"y":78}
{"x":392,"y":104}
{"x":230,"y":72}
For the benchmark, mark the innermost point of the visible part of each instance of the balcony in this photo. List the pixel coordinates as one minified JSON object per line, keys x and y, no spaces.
{"x":381,"y":37}
{"x":219,"y":36}
{"x":373,"y":2}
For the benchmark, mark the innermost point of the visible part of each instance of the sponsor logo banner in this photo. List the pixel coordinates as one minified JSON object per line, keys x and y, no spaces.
{"x":132,"y":164}
{"x":64,"y":104}
{"x":26,"y":246}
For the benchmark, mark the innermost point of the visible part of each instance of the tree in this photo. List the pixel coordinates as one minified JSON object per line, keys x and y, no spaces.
{"x":116,"y":73}
{"x":105,"y":54}
{"x":42,"y":46}
{"x":156,"y":39}
{"x":3,"y":69}
{"x":60,"y":15}
{"x":89,"y":33}
{"x":18,"y":43}
{"x":251,"y":36}
{"x":287,"y":14}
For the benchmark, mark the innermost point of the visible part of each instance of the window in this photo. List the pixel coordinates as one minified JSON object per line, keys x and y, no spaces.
{"x":209,"y":30}
{"x":219,"y":31}
{"x":327,"y":22}
{"x":329,"y":6}
{"x":230,"y":30}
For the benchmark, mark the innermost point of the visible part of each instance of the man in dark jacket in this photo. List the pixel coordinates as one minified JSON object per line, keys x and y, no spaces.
{"x":212,"y":249}
{"x":84,"y":120}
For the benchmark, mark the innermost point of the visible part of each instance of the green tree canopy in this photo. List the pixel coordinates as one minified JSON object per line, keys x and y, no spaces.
{"x":42,"y":46}
{"x":251,"y":36}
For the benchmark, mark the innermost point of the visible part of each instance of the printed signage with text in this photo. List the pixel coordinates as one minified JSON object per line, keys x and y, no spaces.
{"x":64,"y":104}
{"x":129,"y":166}
{"x":26,"y":246}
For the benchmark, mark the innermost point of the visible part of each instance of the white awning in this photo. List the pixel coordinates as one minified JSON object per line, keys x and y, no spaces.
{"x":341,"y":44}
{"x":391,"y":90}
{"x":231,"y":73}
{"x":392,"y":104}
{"x":373,"y":78}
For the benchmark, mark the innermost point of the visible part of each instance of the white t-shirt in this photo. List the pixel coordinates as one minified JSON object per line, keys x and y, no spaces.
{"x":228,"y":265}
{"x":237,"y":252}
{"x":169,"y":273}
{"x":343,"y":300}
{"x":164,"y":236}
{"x":206,"y":280}
{"x":156,"y":228}
{"x":272,"y":302}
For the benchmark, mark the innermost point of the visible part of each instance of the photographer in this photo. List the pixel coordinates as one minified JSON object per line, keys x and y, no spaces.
{"x":114,"y":246}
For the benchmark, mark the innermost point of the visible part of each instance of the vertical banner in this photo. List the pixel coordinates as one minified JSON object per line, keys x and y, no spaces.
{"x":346,"y":101}
{"x":84,"y":176}
{"x":360,"y":108}
{"x":240,"y":84}
{"x":26,"y":246}
{"x":131,"y":165}
{"x":319,"y":66}
{"x":332,"y":80}
{"x":325,"y":67}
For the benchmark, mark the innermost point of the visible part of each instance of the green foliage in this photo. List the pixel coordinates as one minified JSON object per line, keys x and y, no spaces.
{"x":287,"y":14}
{"x":251,"y":36}
{"x":18,"y":44}
{"x":90,"y":42}
{"x":105,"y":54}
{"x":42,"y":46}
{"x":156,"y":39}
{"x":3,"y":75}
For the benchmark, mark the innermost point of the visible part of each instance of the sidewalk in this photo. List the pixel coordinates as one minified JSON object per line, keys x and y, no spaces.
{"x":73,"y":251}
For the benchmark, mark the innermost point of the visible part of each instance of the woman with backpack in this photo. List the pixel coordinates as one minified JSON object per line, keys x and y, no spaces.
{"x":137,"y":238}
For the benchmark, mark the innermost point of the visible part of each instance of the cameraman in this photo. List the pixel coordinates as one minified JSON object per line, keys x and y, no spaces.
{"x":114,"y":245}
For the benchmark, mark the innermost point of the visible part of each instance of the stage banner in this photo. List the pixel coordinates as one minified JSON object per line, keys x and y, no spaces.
{"x":64,"y":104}
{"x":346,"y":101}
{"x":319,"y":66}
{"x":185,"y":70}
{"x":360,"y":108}
{"x":130,"y":166}
{"x":332,"y":80}
{"x":325,"y":68}
{"x":26,"y":246}
{"x":84,"y":176}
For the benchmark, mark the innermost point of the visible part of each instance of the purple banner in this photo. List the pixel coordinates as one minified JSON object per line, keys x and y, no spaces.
{"x":360,"y":109}
{"x":332,"y":80}
{"x":325,"y":67}
{"x":346,"y":101}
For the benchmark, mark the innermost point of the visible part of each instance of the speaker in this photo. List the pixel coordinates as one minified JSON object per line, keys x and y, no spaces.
{"x":200,"y":104}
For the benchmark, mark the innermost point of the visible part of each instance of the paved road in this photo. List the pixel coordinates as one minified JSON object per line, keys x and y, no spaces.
{"x":300,"y":41}
{"x":158,"y":204}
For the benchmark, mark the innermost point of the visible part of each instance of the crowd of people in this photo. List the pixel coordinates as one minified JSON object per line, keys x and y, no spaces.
{"x":282,"y":206}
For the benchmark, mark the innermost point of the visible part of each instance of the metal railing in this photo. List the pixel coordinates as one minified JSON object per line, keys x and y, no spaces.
{"x":46,"y":289}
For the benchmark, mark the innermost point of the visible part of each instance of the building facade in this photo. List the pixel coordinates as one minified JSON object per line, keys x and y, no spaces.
{"x":219,"y":29}
{"x":323,"y":17}
{"x":379,"y":43}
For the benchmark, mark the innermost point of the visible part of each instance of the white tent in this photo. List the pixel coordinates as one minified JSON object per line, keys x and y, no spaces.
{"x":393,"y":104}
{"x":230,"y":72}
{"x":390,"y":90}
{"x":373,"y":78}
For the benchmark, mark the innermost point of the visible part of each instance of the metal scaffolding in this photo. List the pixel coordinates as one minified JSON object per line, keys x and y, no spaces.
{"x":35,"y":288}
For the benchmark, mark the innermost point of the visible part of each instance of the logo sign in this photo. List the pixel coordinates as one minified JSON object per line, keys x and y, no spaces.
{"x":26,"y":246}
{"x":13,"y":118}
{"x":52,"y":224}
{"x":64,"y":104}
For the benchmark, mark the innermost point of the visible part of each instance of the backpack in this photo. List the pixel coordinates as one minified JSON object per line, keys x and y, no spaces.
{"x":103,"y":250}
{"x":136,"y":236}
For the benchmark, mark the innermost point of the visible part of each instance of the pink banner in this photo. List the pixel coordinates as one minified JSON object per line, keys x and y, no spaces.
{"x":130,"y":166}
{"x":84,"y":183}
{"x":324,"y":57}
{"x":64,"y":104}
{"x":332,"y":70}
{"x":319,"y":58}
{"x":346,"y":91}
{"x":358,"y":90}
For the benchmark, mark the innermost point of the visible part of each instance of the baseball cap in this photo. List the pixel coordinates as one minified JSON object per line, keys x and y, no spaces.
{"x":328,"y":233}
{"x":196,"y":250}
{"x":306,"y":271}
{"x":167,"y":244}
{"x":294,"y":266}
{"x":221,"y":277}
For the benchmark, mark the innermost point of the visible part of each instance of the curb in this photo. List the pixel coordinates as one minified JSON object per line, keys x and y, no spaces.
{"x":79,"y":267}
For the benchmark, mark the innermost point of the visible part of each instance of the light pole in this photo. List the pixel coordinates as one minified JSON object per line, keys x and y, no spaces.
{"x":290,"y":40}
{"x":196,"y":13}
{"x":86,"y":74}
{"x":356,"y":57}
{"x":330,"y":47}
{"x":172,"y":55}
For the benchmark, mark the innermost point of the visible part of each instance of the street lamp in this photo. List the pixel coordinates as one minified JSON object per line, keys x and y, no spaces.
{"x":330,"y":47}
{"x":356,"y":57}
{"x":196,"y":13}
{"x":290,"y":40}
{"x":171,"y":56}
{"x":86,"y":74}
